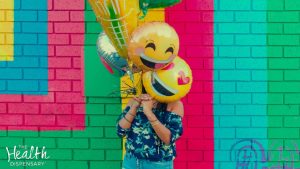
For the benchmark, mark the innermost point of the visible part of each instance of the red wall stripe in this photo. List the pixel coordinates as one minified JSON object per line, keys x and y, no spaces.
{"x":193,"y":20}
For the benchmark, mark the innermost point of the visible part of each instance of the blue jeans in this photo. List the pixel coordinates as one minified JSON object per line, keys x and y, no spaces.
{"x":131,"y":162}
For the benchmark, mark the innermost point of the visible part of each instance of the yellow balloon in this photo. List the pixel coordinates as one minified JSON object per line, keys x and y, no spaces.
{"x":118,"y":19}
{"x":169,"y":84}
{"x":153,"y":45}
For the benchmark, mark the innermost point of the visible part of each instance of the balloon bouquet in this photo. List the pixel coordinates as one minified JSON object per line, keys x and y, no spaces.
{"x":151,"y":48}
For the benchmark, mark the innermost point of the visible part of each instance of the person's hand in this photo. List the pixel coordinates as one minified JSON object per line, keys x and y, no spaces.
{"x":147,"y":109}
{"x":145,"y":97}
{"x":147,"y":105}
{"x":136,"y":102}
{"x":146,"y":102}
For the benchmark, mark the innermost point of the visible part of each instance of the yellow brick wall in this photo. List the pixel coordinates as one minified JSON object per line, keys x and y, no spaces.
{"x":153,"y":15}
{"x":6,"y":30}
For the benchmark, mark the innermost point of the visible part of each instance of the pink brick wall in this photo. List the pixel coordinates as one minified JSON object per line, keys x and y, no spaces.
{"x":193,"y":20}
{"x":63,"y":106}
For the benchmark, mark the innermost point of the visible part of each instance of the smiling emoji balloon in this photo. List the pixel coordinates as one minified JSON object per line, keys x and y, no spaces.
{"x":170,"y":83}
{"x":153,"y":45}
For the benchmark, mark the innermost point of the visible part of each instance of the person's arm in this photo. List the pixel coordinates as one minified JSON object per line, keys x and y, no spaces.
{"x":174,"y":121}
{"x":126,"y":121}
{"x":167,"y":135}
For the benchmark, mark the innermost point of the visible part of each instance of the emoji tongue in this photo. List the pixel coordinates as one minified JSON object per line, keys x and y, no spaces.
{"x":159,"y":65}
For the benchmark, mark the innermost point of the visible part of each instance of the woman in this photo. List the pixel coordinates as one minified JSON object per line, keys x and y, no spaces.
{"x":151,"y":129}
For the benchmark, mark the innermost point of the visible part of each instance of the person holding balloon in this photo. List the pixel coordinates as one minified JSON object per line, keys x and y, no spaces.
{"x":152,"y":122}
{"x":151,"y":129}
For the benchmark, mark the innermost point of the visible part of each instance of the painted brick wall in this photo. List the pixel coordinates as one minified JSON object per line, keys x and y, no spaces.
{"x":25,"y":32}
{"x":6,"y":38}
{"x":63,"y":107}
{"x":193,"y":20}
{"x":240,"y":76}
{"x":284,"y":85}
{"x":93,"y":143}
{"x":43,"y":84}
{"x":257,"y":81}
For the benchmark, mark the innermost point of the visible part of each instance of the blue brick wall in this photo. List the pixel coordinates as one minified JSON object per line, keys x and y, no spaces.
{"x":240,"y":87}
{"x":28,"y":73}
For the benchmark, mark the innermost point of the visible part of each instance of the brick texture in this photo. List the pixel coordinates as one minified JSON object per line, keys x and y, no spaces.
{"x":44,"y":68}
{"x":240,"y":76}
{"x":6,"y":36}
{"x":193,"y":20}
{"x":283,"y":85}
{"x":25,"y":46}
{"x":256,"y":82}
{"x":79,"y":132}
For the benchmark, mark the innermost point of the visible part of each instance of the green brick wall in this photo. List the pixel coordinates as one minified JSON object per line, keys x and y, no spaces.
{"x":97,"y":147}
{"x":104,"y":148}
{"x":284,"y":81}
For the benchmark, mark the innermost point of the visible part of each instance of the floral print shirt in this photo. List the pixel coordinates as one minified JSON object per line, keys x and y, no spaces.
{"x":143,"y":142}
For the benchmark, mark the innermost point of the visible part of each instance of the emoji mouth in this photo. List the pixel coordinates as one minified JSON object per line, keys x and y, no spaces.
{"x":160,"y":87}
{"x":154,"y":64}
{"x":151,"y":64}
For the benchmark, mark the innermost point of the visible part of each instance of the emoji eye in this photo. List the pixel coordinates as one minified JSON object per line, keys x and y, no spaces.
{"x":170,"y":49}
{"x":151,"y":45}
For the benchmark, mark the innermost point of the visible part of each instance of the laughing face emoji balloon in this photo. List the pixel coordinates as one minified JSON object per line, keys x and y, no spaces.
{"x":170,"y":83}
{"x":153,"y":46}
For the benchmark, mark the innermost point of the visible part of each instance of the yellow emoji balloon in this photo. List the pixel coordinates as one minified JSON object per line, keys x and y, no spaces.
{"x":118,"y":19}
{"x":170,"y":83}
{"x":153,"y":45}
